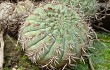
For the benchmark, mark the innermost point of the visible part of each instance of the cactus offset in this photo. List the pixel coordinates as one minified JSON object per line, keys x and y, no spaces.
{"x":86,"y":6}
{"x":12,"y":15}
{"x":5,"y":11}
{"x":54,"y":35}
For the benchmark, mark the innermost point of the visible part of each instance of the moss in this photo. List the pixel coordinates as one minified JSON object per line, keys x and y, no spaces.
{"x":20,"y":68}
{"x":101,"y":54}
{"x":7,"y":68}
{"x":25,"y":63}
{"x":82,"y":66}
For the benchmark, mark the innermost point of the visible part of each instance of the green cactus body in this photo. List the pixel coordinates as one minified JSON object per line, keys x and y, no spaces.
{"x":54,"y":35}
{"x":86,"y":6}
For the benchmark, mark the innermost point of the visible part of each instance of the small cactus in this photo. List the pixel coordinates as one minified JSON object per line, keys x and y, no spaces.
{"x":5,"y":11}
{"x":54,"y":36}
{"x":11,"y":15}
{"x":86,"y":6}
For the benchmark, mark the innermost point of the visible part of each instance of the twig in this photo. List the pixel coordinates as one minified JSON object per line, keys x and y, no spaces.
{"x":16,"y":44}
{"x":100,"y":28}
{"x":90,"y":62}
{"x":1,"y":51}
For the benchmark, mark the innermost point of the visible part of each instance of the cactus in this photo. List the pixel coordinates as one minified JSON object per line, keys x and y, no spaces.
{"x":12,"y":15}
{"x":86,"y":6}
{"x":54,"y":36}
{"x":5,"y":11}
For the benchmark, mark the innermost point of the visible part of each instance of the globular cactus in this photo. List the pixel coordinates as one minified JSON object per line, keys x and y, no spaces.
{"x":86,"y":6}
{"x":11,"y":15}
{"x":5,"y":11}
{"x":55,"y":35}
{"x":24,"y":8}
